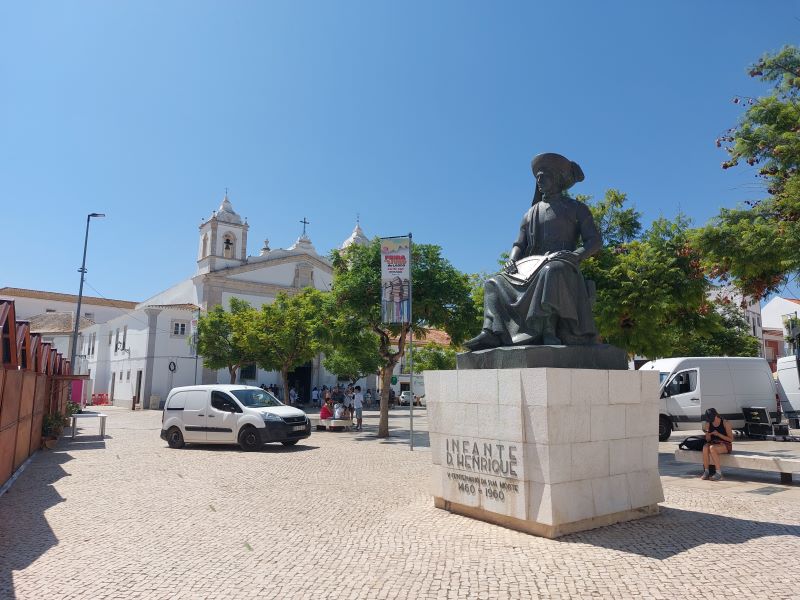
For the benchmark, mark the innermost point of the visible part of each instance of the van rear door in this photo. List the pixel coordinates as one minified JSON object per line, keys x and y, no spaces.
{"x":194,"y":415}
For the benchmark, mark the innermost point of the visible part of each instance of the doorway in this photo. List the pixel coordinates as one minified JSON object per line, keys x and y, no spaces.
{"x":300,"y":378}
{"x":137,"y":397}
{"x":113,"y":381}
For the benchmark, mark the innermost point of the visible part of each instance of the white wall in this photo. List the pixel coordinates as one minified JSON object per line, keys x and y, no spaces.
{"x":282,"y":274}
{"x":773,"y":311}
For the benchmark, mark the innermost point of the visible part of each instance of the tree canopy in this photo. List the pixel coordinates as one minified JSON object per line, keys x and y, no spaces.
{"x":756,"y":246}
{"x":441,"y":299}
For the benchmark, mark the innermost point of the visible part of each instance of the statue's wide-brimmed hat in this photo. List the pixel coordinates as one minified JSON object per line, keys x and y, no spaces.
{"x":570,"y":171}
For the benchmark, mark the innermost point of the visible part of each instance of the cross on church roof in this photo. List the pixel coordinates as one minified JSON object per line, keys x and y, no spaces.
{"x":305,"y":222}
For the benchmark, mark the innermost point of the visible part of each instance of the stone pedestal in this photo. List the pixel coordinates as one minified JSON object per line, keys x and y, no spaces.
{"x":547,"y":451}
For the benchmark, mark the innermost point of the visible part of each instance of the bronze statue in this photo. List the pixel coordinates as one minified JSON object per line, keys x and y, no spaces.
{"x":540,"y":297}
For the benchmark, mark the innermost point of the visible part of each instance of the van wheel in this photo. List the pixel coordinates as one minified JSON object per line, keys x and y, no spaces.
{"x":249,"y":439}
{"x":290,"y":442}
{"x":175,"y":438}
{"x":664,"y":429}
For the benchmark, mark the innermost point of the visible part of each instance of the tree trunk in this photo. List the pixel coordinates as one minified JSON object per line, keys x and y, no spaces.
{"x":232,"y":371}
{"x":386,"y":384}
{"x":285,"y":381}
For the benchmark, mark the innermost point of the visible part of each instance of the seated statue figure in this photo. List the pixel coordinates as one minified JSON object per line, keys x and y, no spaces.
{"x":549,"y":304}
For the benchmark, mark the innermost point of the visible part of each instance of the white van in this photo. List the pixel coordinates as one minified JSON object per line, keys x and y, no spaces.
{"x":690,"y":386}
{"x":230,"y":414}
{"x":789,"y":386}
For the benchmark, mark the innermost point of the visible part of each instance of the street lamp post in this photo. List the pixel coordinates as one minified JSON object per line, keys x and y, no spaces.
{"x":82,"y":271}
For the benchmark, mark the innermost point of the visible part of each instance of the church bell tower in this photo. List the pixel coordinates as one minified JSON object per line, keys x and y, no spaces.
{"x":223,"y":240}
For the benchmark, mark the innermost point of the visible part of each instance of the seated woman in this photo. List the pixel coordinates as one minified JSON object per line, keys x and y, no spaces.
{"x":325,"y":412}
{"x":719,"y":440}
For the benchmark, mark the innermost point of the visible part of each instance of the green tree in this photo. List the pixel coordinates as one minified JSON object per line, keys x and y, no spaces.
{"x":222,"y":337}
{"x":290,"y":332}
{"x":755,"y":246}
{"x":354,"y":356}
{"x":441,"y":299}
{"x":434,"y":357}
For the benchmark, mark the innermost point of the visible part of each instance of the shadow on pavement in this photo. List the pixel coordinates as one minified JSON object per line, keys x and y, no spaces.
{"x":675,"y":531}
{"x":68,"y":445}
{"x":24,"y":531}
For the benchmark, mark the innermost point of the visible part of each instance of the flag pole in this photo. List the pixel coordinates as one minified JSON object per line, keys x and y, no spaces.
{"x":410,"y":344}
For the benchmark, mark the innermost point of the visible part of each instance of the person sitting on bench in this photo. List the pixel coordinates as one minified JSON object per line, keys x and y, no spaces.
{"x":719,"y":440}
{"x":325,"y":412}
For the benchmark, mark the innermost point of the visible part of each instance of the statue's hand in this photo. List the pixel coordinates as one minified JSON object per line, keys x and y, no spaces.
{"x":510,"y":267}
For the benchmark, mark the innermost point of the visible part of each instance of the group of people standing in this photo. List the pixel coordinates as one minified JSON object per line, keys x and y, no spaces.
{"x":341,"y":404}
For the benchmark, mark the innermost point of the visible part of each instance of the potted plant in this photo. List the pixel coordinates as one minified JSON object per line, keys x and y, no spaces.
{"x":52,"y":427}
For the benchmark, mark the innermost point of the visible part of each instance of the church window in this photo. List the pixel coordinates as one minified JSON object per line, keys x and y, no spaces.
{"x":179,"y":328}
{"x":205,"y":246}
{"x":110,"y":336}
{"x":128,"y":376}
{"x":124,"y":337}
{"x":116,"y":342}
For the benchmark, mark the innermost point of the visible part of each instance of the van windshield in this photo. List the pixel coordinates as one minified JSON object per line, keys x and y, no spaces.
{"x":256,"y":398}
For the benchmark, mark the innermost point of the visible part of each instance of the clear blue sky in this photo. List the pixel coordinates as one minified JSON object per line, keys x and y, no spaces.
{"x":421,"y":116}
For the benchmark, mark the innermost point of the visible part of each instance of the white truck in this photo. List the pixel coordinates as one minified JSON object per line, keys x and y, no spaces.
{"x":690,"y":386}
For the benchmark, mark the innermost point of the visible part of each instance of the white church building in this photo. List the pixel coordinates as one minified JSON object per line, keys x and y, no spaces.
{"x":147,"y":351}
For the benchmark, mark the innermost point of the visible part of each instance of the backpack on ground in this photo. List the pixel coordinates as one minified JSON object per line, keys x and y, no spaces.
{"x":693,"y":442}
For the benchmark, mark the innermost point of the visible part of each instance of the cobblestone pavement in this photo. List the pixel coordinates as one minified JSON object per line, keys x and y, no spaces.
{"x":344,"y":515}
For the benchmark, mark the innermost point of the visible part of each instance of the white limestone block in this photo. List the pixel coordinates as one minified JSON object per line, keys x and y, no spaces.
{"x":433,"y":411}
{"x":650,"y":451}
{"x":431,"y":379}
{"x":509,"y":386}
{"x":606,"y":422}
{"x":546,"y":387}
{"x":558,"y":425}
{"x":501,"y":422}
{"x":624,"y":387}
{"x":651,"y":386}
{"x":477,"y":386}
{"x":624,"y":455}
{"x":572,"y":501}
{"x":645,"y":488}
{"x":589,"y":387}
{"x":590,"y":460}
{"x":505,"y":496}
{"x":448,"y":386}
{"x":540,"y":503}
{"x":610,"y":495}
{"x":639,"y":421}
{"x":437,"y":447}
{"x":548,"y":463}
{"x":468,"y":493}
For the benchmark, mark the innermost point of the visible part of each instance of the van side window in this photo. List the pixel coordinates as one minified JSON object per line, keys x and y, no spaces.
{"x":177,"y":402}
{"x":223,"y":402}
{"x":683,"y":383}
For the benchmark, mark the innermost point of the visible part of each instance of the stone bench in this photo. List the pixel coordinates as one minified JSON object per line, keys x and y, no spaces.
{"x":330,"y":424}
{"x":755,"y":462}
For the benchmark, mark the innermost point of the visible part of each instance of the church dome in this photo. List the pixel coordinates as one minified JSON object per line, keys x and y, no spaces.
{"x":357,"y":237}
{"x":226,"y":214}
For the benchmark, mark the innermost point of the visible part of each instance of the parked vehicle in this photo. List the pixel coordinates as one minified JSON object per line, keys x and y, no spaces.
{"x":230,"y":414}
{"x":690,"y":386}
{"x":405,"y":397}
{"x":789,"y":386}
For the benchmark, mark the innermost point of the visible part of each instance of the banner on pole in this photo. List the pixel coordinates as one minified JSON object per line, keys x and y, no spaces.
{"x":396,"y":279}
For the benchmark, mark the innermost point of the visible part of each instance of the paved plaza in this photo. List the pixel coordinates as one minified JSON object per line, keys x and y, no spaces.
{"x":345,"y":515}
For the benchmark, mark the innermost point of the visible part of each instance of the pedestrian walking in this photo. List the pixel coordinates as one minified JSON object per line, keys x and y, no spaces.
{"x":358,"y":406}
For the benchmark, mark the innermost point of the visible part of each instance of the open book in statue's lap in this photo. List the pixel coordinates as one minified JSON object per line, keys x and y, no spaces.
{"x":541,"y":298}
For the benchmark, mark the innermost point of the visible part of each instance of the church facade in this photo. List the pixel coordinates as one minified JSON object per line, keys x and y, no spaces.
{"x":144,"y":353}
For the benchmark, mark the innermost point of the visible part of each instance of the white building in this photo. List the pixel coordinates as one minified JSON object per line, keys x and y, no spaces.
{"x":146,"y":351}
{"x":775,"y":314}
